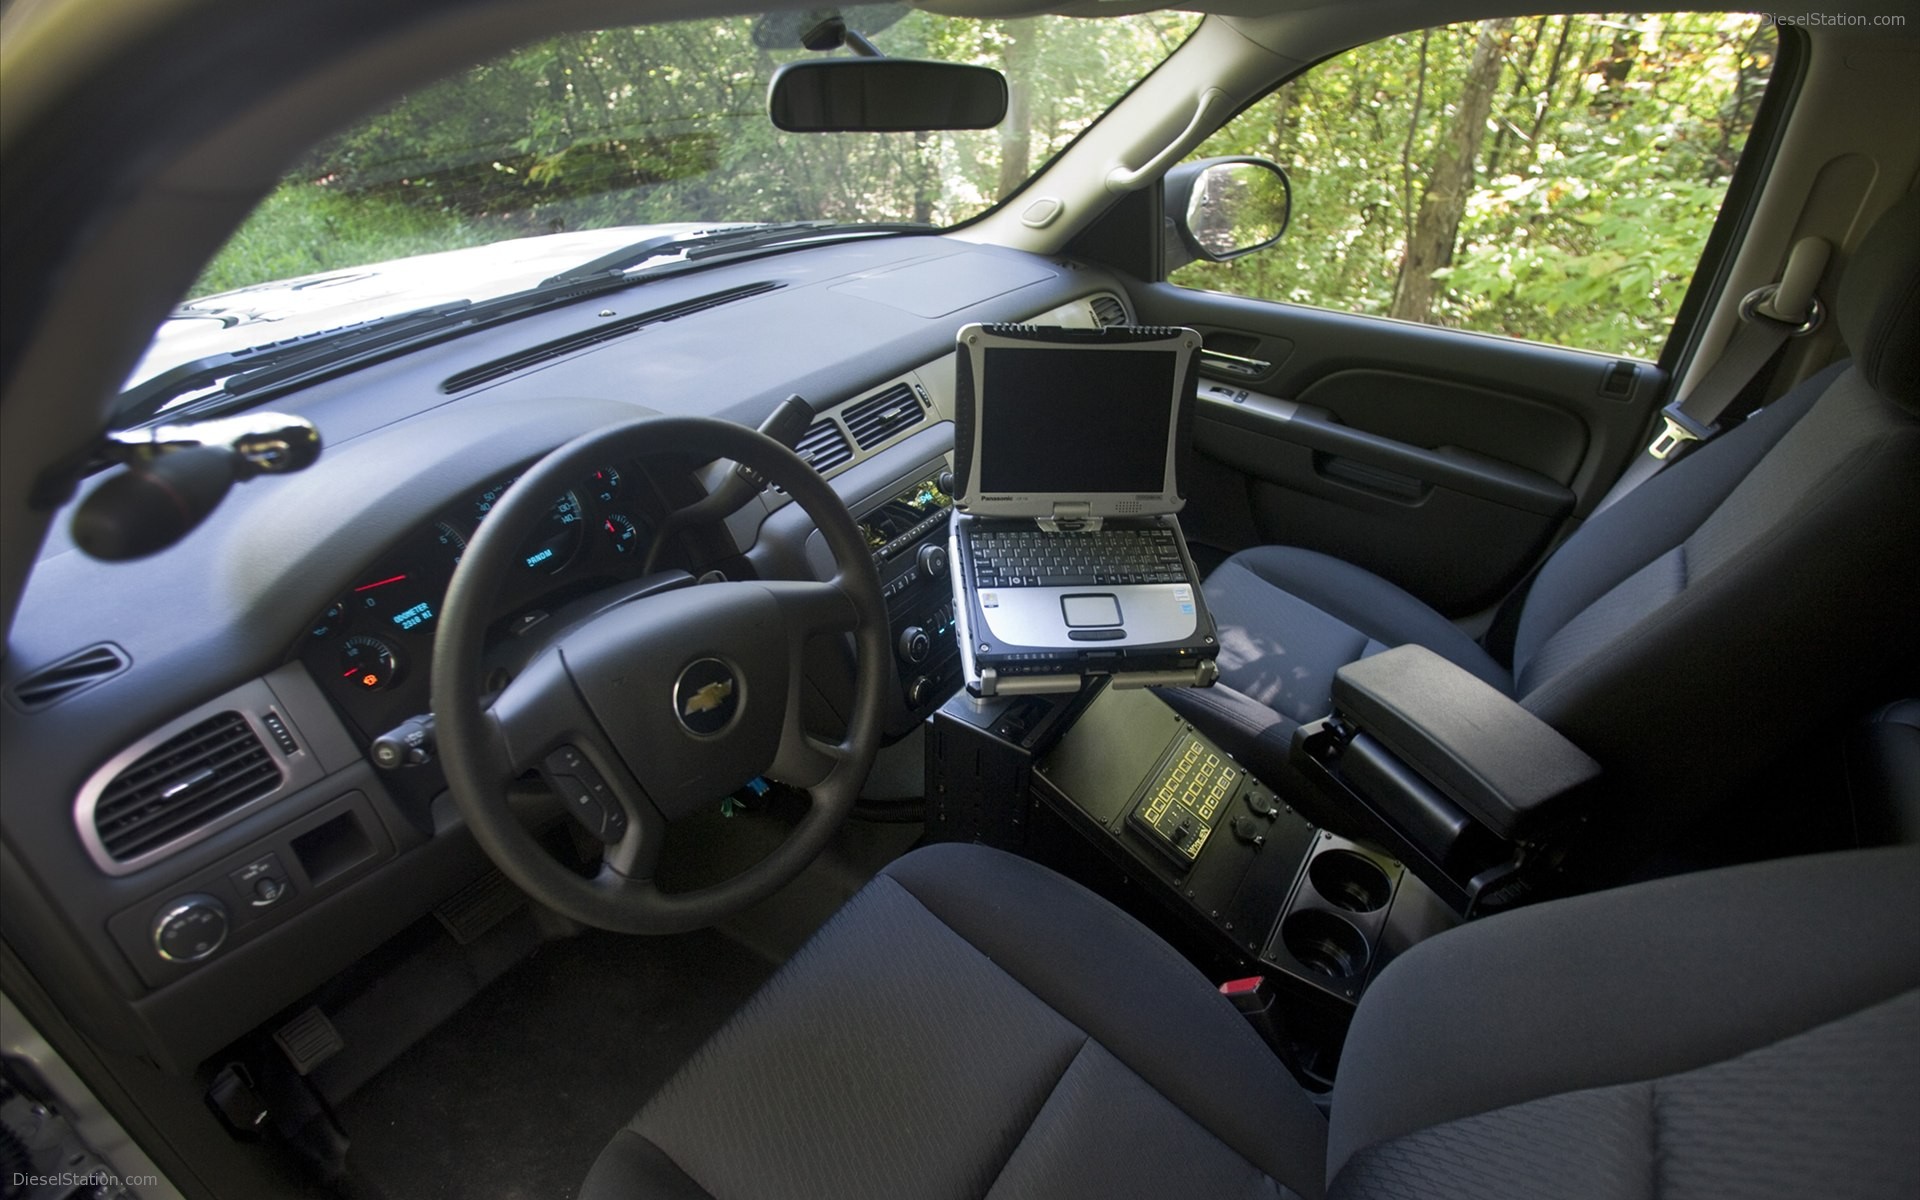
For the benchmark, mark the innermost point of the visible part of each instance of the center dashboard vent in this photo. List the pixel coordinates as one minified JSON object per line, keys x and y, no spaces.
{"x":823,"y":446}
{"x":879,"y":418}
{"x":512,"y":364}
{"x":1108,"y":311}
{"x":188,"y":781}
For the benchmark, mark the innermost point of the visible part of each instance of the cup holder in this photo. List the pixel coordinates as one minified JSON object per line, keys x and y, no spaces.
{"x":1325,"y":943}
{"x":1350,"y":881}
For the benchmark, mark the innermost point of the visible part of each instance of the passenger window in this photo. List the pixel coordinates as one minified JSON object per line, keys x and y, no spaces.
{"x":1550,"y":178}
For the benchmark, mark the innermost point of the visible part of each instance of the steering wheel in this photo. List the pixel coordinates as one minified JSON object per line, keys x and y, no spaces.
{"x":657,"y":707}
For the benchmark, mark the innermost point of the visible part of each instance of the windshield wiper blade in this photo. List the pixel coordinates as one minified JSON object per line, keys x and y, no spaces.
{"x":235,"y":372}
{"x":695,"y":246}
{"x":619,"y":262}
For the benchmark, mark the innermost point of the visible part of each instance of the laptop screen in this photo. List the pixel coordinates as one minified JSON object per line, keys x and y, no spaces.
{"x":1072,"y":419}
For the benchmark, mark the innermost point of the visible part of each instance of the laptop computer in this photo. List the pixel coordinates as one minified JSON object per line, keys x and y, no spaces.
{"x":1068,"y":558}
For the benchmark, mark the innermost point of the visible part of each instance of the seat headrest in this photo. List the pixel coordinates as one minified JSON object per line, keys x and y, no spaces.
{"x":1879,"y":304}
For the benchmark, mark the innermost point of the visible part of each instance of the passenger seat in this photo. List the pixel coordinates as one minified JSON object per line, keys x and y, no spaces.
{"x":1685,"y":635}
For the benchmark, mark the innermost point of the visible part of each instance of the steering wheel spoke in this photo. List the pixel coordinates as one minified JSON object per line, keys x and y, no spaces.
{"x":814,"y":609}
{"x":803,"y":759}
{"x":541,"y":724}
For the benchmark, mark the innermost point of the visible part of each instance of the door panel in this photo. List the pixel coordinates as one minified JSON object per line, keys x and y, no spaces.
{"x":1441,"y":460}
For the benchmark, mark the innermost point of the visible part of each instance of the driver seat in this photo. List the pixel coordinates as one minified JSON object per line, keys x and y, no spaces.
{"x":973,"y":1025}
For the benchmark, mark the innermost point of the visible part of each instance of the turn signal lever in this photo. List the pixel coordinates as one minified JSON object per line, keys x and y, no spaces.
{"x":177,"y":474}
{"x":784,"y":424}
{"x":412,"y":743}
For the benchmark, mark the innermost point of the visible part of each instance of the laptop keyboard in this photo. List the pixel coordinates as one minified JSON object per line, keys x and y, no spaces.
{"x":1035,"y":558}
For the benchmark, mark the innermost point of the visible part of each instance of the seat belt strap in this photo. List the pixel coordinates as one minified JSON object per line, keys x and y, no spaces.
{"x":1768,"y":317}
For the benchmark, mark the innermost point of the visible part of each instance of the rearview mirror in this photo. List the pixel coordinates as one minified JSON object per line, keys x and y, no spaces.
{"x":1222,"y":208}
{"x":885,"y":95}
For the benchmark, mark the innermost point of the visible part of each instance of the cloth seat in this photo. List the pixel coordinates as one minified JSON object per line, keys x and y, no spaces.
{"x":1684,"y":634}
{"x":1882,"y":766}
{"x":972,"y":1025}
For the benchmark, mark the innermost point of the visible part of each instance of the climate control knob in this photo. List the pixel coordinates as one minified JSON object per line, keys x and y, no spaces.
{"x":933,"y":560}
{"x":919,"y":691}
{"x":915,"y":645}
{"x":190,"y":928}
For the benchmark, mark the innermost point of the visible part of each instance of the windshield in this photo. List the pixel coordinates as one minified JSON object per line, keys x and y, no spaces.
{"x":573,"y":148}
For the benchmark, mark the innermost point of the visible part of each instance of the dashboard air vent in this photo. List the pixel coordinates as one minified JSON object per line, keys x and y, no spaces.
{"x":512,"y":364}
{"x":75,"y":673}
{"x":182,"y":784}
{"x":873,"y":421}
{"x":823,"y":446}
{"x":1108,"y":311}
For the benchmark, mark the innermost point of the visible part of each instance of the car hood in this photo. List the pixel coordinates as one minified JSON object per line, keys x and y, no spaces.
{"x":290,"y":308}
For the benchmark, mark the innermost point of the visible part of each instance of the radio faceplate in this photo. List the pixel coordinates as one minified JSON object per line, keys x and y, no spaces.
{"x":908,"y":537}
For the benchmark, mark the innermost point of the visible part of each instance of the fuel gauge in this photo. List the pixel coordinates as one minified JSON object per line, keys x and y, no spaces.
{"x":368,"y":664}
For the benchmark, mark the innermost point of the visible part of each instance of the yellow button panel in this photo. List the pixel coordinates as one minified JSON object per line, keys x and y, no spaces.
{"x":1179,"y":808}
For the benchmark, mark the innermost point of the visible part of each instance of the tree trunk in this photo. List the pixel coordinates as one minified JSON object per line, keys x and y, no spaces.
{"x":1437,"y":225}
{"x":1543,"y":102}
{"x":926,"y":176}
{"x":1016,"y":132}
{"x":1522,"y":87}
{"x":1282,"y":135}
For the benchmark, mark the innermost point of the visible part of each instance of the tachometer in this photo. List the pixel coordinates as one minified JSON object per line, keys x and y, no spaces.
{"x":451,"y":540}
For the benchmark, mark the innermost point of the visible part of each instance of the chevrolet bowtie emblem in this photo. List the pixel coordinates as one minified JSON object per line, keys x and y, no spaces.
{"x":708,"y":698}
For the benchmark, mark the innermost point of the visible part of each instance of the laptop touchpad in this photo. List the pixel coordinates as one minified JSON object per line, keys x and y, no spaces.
{"x":1085,"y":610}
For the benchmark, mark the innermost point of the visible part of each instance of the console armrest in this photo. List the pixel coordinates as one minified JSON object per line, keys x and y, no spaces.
{"x":1478,"y":747}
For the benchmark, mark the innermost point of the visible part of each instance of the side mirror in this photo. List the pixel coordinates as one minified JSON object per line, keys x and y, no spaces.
{"x":885,"y":95}
{"x":1222,"y":208}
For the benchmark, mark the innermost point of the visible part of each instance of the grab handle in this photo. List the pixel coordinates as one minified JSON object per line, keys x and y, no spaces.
{"x":1123,"y":178}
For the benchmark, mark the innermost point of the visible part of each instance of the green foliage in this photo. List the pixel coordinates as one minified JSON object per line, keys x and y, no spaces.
{"x":1597,"y":180}
{"x":668,"y":123}
{"x":302,"y":229}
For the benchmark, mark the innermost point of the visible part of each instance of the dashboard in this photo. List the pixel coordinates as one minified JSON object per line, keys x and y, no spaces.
{"x":298,"y":621}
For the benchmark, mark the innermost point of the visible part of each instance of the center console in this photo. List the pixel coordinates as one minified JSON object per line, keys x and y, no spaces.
{"x":1252,"y":887}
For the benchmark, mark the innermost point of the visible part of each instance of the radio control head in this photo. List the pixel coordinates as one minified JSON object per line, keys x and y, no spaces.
{"x":933,"y":560}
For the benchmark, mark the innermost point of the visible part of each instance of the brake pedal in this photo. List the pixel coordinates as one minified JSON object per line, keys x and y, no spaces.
{"x":479,"y":906}
{"x":309,"y":1040}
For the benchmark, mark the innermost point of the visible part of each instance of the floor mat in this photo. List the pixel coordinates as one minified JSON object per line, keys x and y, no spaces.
{"x":514,"y":1096}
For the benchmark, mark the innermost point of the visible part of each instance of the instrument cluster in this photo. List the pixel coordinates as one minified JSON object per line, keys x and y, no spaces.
{"x":371,"y":647}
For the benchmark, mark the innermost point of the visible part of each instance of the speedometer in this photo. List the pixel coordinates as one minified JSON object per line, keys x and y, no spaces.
{"x":556,"y":542}
{"x":552,"y":548}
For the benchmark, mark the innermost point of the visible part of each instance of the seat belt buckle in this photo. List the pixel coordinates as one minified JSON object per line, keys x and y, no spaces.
{"x":1680,"y":428}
